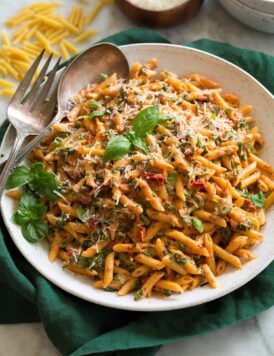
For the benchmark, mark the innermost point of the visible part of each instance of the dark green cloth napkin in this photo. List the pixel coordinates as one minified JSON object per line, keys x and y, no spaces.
{"x":79,"y":328}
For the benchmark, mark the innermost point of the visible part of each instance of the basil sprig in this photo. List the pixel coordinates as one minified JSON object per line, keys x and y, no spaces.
{"x":143,"y":124}
{"x":38,"y":180}
{"x":36,"y":183}
{"x":29,"y":217}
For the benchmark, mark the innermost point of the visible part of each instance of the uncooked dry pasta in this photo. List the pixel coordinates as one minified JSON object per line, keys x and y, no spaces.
{"x":158,"y":180}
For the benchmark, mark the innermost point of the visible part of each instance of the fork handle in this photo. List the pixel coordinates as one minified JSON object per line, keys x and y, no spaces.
{"x":10,"y":161}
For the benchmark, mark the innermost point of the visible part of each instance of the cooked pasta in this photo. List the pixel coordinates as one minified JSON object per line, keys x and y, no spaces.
{"x":159,"y":183}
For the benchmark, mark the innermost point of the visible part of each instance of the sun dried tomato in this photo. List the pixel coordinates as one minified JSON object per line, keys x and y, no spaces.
{"x":156,"y":178}
{"x":250,"y":205}
{"x":199,"y":184}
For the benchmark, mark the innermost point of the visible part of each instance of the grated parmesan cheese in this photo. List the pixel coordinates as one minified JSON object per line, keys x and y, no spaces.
{"x":157,"y":5}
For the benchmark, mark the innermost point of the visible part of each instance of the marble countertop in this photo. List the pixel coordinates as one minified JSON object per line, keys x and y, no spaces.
{"x":254,"y":336}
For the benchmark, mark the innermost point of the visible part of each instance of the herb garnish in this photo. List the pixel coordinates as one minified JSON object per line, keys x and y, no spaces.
{"x":29,"y":216}
{"x":255,"y":199}
{"x":197,"y":224}
{"x":38,"y":180}
{"x":37,"y":183}
{"x":143,"y":124}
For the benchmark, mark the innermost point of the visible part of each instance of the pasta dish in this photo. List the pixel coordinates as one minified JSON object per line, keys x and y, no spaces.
{"x":156,"y":184}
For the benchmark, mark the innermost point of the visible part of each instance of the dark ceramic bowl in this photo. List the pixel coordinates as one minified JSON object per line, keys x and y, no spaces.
{"x":160,"y":18}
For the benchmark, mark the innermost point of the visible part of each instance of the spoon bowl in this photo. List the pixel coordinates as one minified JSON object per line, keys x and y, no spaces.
{"x":84,"y":69}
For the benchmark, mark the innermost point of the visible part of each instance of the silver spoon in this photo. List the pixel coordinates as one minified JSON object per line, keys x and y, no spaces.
{"x":84,"y":69}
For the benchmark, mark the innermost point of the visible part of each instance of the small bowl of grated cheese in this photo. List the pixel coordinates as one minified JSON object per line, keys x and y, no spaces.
{"x":159,"y":13}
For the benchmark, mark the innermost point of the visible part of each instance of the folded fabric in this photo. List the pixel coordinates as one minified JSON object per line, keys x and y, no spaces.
{"x":77,"y":327}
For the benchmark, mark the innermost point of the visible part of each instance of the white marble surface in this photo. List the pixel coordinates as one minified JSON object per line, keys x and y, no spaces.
{"x":252,"y":337}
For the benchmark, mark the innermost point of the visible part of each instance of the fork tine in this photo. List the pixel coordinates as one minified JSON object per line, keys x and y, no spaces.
{"x":23,"y":86}
{"x":44,"y":92}
{"x":52,"y":100}
{"x":37,"y":83}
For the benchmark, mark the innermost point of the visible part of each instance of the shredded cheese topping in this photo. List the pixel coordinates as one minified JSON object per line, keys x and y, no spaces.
{"x":160,"y":183}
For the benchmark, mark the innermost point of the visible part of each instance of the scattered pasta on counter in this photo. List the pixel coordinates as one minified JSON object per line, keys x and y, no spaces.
{"x":39,"y":26}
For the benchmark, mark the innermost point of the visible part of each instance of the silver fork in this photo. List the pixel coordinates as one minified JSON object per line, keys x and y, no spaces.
{"x":30,"y":112}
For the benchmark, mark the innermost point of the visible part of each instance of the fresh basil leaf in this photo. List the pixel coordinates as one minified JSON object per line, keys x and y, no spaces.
{"x":146,"y":120}
{"x":141,"y":143}
{"x":18,"y":177}
{"x":256,"y":199}
{"x":197,"y":224}
{"x":21,"y":218}
{"x":35,"y":231}
{"x":94,"y":104}
{"x":131,"y":136}
{"x":42,"y":182}
{"x":28,"y":209}
{"x":95,"y":113}
{"x":27,"y":200}
{"x":117,"y":148}
{"x":83,"y":214}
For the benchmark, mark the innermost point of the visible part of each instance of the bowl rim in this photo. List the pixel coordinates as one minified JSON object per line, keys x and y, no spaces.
{"x":251,"y":10}
{"x":138,"y":306}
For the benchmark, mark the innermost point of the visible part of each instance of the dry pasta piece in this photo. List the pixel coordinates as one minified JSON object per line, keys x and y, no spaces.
{"x":8,"y":92}
{"x":84,"y":36}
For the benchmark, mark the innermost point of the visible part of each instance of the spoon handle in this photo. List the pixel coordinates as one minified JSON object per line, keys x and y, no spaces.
{"x":10,"y":162}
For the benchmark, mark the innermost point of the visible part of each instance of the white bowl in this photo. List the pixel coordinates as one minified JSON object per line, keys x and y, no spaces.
{"x":258,"y":20}
{"x":181,"y":60}
{"x":260,"y":5}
